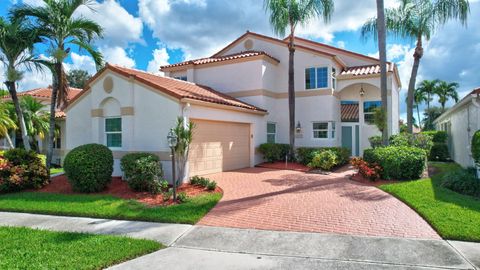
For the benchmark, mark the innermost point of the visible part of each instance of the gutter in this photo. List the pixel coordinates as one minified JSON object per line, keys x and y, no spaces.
{"x":221,"y":106}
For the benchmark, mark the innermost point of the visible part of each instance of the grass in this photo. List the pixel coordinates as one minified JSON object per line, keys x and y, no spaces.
{"x":106,"y":206}
{"x":24,"y":248}
{"x":454,"y":216}
{"x":56,"y":170}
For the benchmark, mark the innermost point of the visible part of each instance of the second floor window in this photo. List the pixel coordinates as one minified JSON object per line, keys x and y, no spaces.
{"x":182,"y":78}
{"x":316,"y":78}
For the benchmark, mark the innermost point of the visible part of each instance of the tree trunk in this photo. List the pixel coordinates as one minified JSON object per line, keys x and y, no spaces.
{"x":382,"y":47}
{"x":411,"y":86}
{"x":418,"y":114}
{"x":291,"y":96}
{"x":12,"y":89}
{"x":9,"y":140}
{"x":57,"y":84}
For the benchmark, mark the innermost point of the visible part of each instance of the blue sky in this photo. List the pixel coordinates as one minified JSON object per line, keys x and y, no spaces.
{"x":148,"y":33}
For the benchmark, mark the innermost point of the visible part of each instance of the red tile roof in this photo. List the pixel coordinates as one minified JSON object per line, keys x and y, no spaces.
{"x":46,"y":93}
{"x":177,"y":88}
{"x":214,"y":59}
{"x":349,"y":112}
{"x":365,"y":70}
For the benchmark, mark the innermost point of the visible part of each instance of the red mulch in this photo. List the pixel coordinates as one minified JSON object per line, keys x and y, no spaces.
{"x":359,"y":178}
{"x":119,"y":188}
{"x":291,"y":166}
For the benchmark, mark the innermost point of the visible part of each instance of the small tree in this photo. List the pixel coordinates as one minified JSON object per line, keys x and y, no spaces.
{"x":380,"y":119}
{"x":78,"y":78}
{"x":184,"y":132}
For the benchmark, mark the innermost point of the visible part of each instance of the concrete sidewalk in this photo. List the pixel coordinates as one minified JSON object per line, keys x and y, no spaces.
{"x":202,"y":247}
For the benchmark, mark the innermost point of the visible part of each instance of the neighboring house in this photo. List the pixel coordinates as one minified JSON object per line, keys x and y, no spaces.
{"x":238,"y":100}
{"x":461,"y":122}
{"x":44,"y":96}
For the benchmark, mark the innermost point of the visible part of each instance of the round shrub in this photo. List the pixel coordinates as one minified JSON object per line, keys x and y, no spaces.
{"x":324,"y":160}
{"x":375,"y":141}
{"x":89,"y":167}
{"x":476,"y":147}
{"x":422,"y":141}
{"x":21,"y":169}
{"x":439,"y":152}
{"x":143,"y":172}
{"x":398,"y":162}
{"x":274,"y":151}
{"x":437,"y":135}
{"x":462,"y":181}
{"x":305,"y":155}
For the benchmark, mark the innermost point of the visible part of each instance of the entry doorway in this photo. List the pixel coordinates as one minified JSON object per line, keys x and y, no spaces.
{"x":351,"y":138}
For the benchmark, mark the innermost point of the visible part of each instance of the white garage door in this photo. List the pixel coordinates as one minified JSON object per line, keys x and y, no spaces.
{"x":219,"y":146}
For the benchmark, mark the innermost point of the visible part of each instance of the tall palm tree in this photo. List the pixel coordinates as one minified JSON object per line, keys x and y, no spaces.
{"x":419,"y":97}
{"x":17,"y":41}
{"x":418,"y":19}
{"x":289,"y":14}
{"x":62,"y":28}
{"x":7,"y":122}
{"x":446,"y":91}
{"x":382,"y":48}
{"x":427,"y":88}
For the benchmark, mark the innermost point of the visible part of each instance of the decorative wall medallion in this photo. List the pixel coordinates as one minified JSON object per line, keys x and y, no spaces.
{"x":248,"y":44}
{"x":108,"y":84}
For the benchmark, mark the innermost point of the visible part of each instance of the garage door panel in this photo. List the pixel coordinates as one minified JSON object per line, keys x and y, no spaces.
{"x":219,"y":146}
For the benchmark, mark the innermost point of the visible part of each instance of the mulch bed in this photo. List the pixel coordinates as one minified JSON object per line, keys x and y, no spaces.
{"x":119,"y":188}
{"x":359,"y":178}
{"x":291,"y":166}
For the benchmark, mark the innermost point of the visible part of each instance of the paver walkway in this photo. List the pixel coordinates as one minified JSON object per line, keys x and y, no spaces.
{"x":259,"y":198}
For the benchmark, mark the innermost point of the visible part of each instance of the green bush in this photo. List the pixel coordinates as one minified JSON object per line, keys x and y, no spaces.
{"x":274,"y":151}
{"x":182,"y":197}
{"x":476,"y":147}
{"x":462,"y":181}
{"x":212,"y":185}
{"x":305,"y":155}
{"x":21,"y":169}
{"x":398,"y":162}
{"x":437,"y":136}
{"x":89,"y":167}
{"x":422,"y":141}
{"x":439,"y":152}
{"x":201,"y":181}
{"x":375,"y":141}
{"x":324,"y":160}
{"x":143,"y":172}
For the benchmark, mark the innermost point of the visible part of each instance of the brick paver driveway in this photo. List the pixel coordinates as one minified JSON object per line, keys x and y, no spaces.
{"x":293,"y":201}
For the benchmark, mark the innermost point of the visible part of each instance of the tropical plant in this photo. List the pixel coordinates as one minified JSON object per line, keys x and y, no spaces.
{"x":419,"y":97}
{"x":426,"y":91}
{"x":60,"y":27}
{"x":429,"y":115}
{"x":418,"y":20}
{"x":36,"y":118}
{"x":381,"y":122}
{"x":17,"y":41}
{"x":289,"y":14}
{"x":446,"y":91}
{"x":6,"y":123}
{"x":77,"y":78}
{"x":184,"y":132}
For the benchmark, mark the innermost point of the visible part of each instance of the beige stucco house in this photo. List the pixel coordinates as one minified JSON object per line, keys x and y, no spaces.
{"x":461,"y":122}
{"x":237,"y":99}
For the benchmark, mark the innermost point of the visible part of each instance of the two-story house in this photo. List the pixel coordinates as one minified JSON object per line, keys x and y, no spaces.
{"x":237,"y":99}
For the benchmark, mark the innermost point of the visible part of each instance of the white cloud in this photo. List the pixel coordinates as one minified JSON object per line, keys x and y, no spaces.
{"x":341,"y":44}
{"x":160,"y":58}
{"x":118,"y":56}
{"x":83,"y":62}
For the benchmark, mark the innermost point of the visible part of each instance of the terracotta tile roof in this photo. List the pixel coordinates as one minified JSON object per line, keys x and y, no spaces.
{"x":177,"y":88}
{"x":213,"y":59}
{"x":365,"y":70}
{"x":46,"y":93}
{"x":349,"y":112}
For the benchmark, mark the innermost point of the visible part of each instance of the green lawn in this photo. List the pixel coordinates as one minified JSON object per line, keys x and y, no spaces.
{"x":24,"y":248}
{"x":105,"y":206}
{"x":56,"y":170}
{"x":454,"y":216}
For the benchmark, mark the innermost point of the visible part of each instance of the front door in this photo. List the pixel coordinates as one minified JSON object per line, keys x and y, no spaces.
{"x":351,"y":139}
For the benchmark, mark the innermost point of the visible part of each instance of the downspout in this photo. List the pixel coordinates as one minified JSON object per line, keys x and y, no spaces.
{"x":186,"y":120}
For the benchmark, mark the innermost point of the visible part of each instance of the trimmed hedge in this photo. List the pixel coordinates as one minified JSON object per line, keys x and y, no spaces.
{"x":305,"y":155}
{"x":324,"y":160}
{"x":476,"y":147}
{"x":437,"y":135}
{"x":462,"y":181}
{"x":143,"y":171}
{"x":274,"y":151}
{"x":21,"y":169}
{"x":398,"y":162}
{"x":439,"y":152}
{"x":422,"y":141}
{"x":89,"y":167}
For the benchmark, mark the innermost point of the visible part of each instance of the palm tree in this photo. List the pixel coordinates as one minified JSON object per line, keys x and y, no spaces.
{"x":446,"y":91}
{"x":419,"y":97}
{"x":16,"y":47}
{"x":418,"y":19}
{"x":428,"y":88}
{"x":62,"y":28}
{"x":289,"y":14}
{"x":36,"y":117}
{"x":7,"y":123}
{"x":382,"y":47}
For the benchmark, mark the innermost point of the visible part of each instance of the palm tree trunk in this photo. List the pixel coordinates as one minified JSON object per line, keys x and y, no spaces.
{"x":9,"y":140}
{"x":382,"y":47}
{"x":411,"y":86}
{"x":12,"y":89}
{"x":57,"y":84}
{"x":291,"y":93}
{"x":418,"y":114}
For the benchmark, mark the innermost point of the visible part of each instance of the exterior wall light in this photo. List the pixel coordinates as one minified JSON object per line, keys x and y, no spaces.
{"x":299,"y":127}
{"x":362,"y":92}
